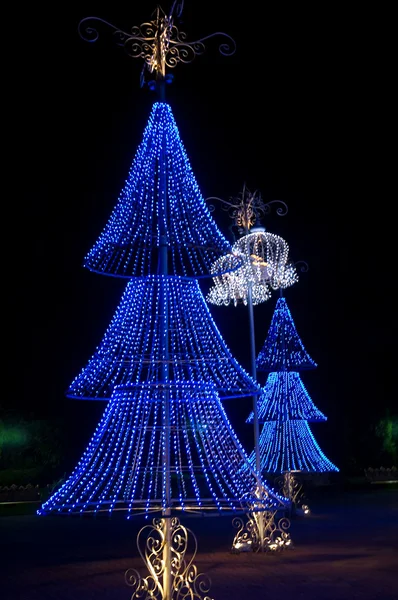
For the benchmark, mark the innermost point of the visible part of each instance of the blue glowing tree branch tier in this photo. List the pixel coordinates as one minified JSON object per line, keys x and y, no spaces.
{"x":284,"y":398}
{"x":131,"y":350}
{"x":283,"y":348}
{"x":123,"y":467}
{"x":290,"y":446}
{"x":284,"y":406}
{"x":149,"y":215}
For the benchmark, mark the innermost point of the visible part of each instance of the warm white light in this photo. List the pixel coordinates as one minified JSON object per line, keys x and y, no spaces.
{"x":265,"y":267}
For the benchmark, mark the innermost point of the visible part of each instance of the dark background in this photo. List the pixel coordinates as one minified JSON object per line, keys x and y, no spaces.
{"x":302,"y":112}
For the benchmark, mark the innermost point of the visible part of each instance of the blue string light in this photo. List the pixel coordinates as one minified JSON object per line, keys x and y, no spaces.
{"x":283,"y":348}
{"x":131,"y":349}
{"x":164,"y":441}
{"x":128,"y":245}
{"x":290,"y":446}
{"x":284,"y":397}
{"x":285,"y":407}
{"x":123,"y":466}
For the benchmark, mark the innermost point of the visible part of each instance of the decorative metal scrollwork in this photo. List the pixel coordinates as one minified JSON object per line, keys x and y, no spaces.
{"x":261,"y":531}
{"x":167,"y":564}
{"x":247,"y":208}
{"x":302,"y":265}
{"x":290,"y":487}
{"x":158,"y":42}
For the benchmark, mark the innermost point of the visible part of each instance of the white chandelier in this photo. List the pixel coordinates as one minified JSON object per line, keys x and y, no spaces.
{"x":265,"y":267}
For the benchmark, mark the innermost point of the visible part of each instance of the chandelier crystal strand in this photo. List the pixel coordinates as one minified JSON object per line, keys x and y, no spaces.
{"x":265,"y":267}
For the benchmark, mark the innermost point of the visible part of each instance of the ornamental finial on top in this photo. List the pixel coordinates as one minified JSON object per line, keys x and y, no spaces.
{"x":247,"y":208}
{"x":158,"y":42}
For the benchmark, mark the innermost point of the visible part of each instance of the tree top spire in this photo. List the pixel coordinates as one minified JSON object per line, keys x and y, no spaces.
{"x":158,"y":42}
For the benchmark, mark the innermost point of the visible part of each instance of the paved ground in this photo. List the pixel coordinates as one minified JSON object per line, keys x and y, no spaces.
{"x":347,"y":549}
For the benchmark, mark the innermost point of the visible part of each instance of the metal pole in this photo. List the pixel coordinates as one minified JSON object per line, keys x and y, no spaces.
{"x":254,"y":375}
{"x":258,"y":516}
{"x":164,"y":325}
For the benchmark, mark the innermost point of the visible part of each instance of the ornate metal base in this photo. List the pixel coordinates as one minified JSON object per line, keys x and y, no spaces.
{"x":171,"y":575}
{"x":261,"y":533}
{"x":292,"y":488}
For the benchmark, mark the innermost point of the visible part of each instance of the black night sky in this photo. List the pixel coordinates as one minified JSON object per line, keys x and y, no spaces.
{"x":301,"y":112}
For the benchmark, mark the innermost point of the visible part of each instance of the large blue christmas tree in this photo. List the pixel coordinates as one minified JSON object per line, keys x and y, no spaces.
{"x":164,"y":442}
{"x":285,"y":407}
{"x":162,"y":365}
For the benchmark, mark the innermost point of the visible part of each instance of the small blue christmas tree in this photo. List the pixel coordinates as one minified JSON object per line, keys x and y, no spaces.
{"x":283,"y":349}
{"x":285,"y":408}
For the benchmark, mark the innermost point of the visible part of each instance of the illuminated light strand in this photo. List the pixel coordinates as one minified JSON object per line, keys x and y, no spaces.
{"x":129,"y":242}
{"x":123,"y":466}
{"x":265,"y":267}
{"x":285,"y":407}
{"x":284,"y":397}
{"x":290,"y":446}
{"x":283,"y":348}
{"x":131,"y":350}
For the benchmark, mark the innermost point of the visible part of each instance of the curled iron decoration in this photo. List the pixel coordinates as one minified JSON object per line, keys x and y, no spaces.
{"x":246,"y":538}
{"x":260,"y":532}
{"x":247,"y":208}
{"x":186,"y":582}
{"x":290,"y":487}
{"x":281,"y":211}
{"x":158,"y":42}
{"x":302,"y":265}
